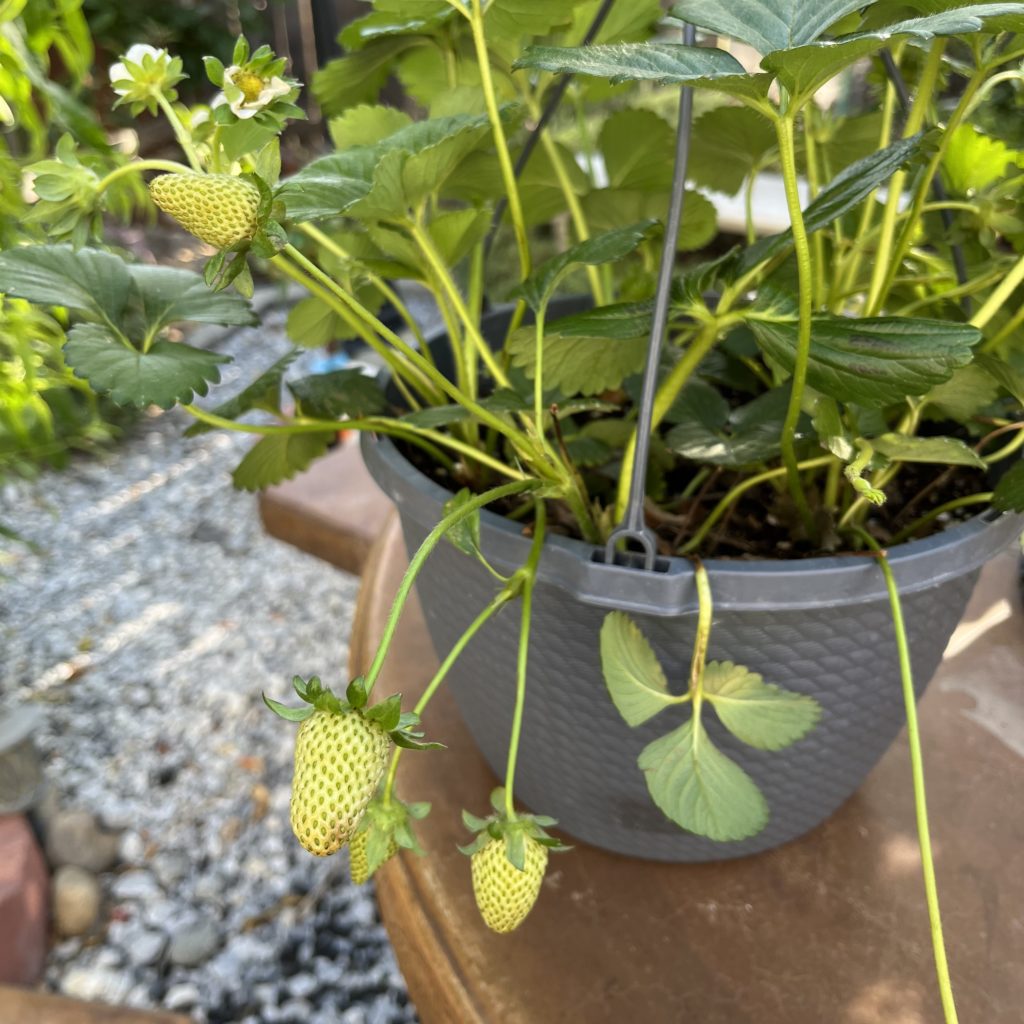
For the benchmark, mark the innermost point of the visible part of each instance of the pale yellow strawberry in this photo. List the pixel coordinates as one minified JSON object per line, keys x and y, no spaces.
{"x":219,"y":209}
{"x":339,"y":761}
{"x":504,"y":894}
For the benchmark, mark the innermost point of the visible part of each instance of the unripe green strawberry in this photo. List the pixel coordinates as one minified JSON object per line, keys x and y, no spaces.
{"x":358,"y":859}
{"x":504,"y":894}
{"x":339,"y":761}
{"x":219,"y":209}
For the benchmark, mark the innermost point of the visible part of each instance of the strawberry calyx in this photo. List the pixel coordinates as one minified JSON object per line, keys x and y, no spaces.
{"x":513,"y":831}
{"x":230,"y":265}
{"x":387,"y":827}
{"x":387,"y":715}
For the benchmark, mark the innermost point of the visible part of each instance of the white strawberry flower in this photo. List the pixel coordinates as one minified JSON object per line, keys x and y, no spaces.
{"x":120,"y":77}
{"x":247,"y":93}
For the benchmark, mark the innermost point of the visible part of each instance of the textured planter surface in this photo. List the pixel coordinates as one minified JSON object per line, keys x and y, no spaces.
{"x":819,"y":626}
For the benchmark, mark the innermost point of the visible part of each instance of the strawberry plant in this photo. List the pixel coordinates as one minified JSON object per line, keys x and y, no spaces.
{"x":840,"y":387}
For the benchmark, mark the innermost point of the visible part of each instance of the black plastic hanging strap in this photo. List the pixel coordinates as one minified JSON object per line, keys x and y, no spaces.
{"x":632,"y":526}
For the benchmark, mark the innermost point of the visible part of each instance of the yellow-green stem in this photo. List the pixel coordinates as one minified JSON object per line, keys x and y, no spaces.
{"x":171,"y":166}
{"x":917,"y":772}
{"x":456,"y":516}
{"x":982,"y":498}
{"x":801,"y":246}
{"x":915,"y":120}
{"x":183,"y":137}
{"x":515,"y":206}
{"x":529,"y":577}
{"x":994,"y":302}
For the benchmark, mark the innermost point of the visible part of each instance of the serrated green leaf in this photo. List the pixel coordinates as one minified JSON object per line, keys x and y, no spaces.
{"x":169,"y":372}
{"x":358,"y":77}
{"x":745,"y":435}
{"x":804,"y":69}
{"x":766,"y":25}
{"x":330,"y":185}
{"x":87,"y":280}
{"x":729,"y":143}
{"x":457,"y":231}
{"x":701,"y":789}
{"x":579,"y":365}
{"x":973,"y":160}
{"x":340,"y":393}
{"x":263,"y":393}
{"x":613,"y":208}
{"x":1009,"y":493}
{"x":632,"y":672}
{"x":1005,"y":375}
{"x":278,"y":457}
{"x":287,"y":713}
{"x":969,"y":390}
{"x":366,"y":125}
{"x":760,"y":714}
{"x":873,"y":361}
{"x":606,"y":247}
{"x":665,"y":63}
{"x":619,"y":321}
{"x":943,"y":450}
{"x":638,"y":148}
{"x":170,"y":295}
{"x":312,"y":323}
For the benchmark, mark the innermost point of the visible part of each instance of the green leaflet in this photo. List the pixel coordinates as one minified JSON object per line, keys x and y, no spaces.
{"x":632,"y":672}
{"x":278,"y":457}
{"x":701,"y":789}
{"x":873,"y":361}
{"x":169,"y":372}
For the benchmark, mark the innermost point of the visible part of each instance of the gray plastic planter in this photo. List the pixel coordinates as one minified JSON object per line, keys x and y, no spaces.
{"x":820,"y":626}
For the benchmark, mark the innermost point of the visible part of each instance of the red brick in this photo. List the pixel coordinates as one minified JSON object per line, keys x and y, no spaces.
{"x":24,"y":903}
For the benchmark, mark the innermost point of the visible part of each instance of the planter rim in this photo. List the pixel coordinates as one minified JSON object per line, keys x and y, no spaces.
{"x":740,"y":585}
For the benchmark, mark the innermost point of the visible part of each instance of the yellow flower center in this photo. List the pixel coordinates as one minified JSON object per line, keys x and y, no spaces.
{"x":250,"y":84}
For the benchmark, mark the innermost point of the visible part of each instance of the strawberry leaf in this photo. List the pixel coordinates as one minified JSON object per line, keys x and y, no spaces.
{"x":631,"y":669}
{"x":701,"y":789}
{"x":758,"y":713}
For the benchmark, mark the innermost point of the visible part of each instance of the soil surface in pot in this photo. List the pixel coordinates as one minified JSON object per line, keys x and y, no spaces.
{"x":763,"y":524}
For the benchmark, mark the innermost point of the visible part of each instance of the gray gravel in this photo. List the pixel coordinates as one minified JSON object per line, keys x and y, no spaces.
{"x":154,"y":616}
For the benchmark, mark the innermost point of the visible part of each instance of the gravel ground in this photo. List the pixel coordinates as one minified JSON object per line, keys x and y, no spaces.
{"x":147,"y":627}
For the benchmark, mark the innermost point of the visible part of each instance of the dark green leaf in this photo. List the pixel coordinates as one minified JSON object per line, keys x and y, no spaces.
{"x":579,"y":365}
{"x":340,"y":393}
{"x":169,"y":372}
{"x":1009,"y":492}
{"x":874,"y":361}
{"x":701,"y":789}
{"x":278,"y":457}
{"x":804,"y":69}
{"x":666,"y":63}
{"x":1007,"y":376}
{"x":760,"y":714}
{"x":358,"y":77}
{"x":356,"y":695}
{"x":329,"y":186}
{"x":87,"y":280}
{"x":607,"y":247}
{"x":170,"y":295}
{"x":621,"y":321}
{"x":746,"y":435}
{"x":637,"y":146}
{"x":608,"y":208}
{"x":969,"y":390}
{"x":729,"y":143}
{"x":765,"y":24}
{"x":263,"y":393}
{"x":632,"y":673}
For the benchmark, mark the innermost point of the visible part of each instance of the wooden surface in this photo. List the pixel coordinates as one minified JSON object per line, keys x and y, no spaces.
{"x":22,"y":1006}
{"x":334,"y":510}
{"x":831,"y":929}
